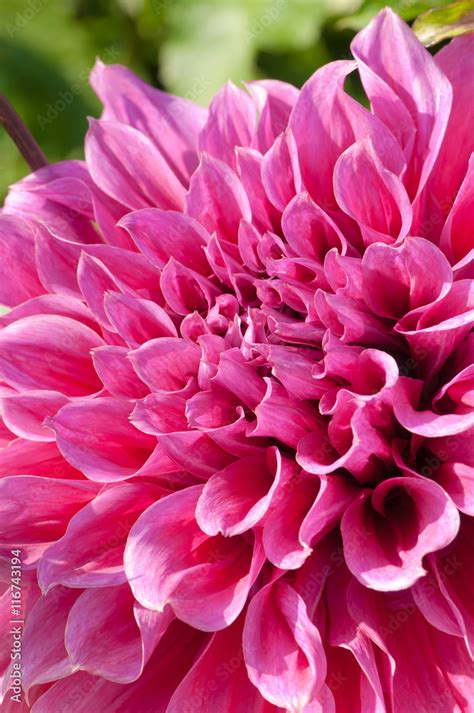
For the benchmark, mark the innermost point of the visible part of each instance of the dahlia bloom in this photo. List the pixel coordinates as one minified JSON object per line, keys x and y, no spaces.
{"x":237,"y":391}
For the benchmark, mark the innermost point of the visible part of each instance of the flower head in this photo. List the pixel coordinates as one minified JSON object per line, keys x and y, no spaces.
{"x":237,"y":396}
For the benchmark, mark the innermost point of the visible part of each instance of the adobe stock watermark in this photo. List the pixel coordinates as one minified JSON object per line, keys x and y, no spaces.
{"x":16,"y":627}
{"x":265,"y":20}
{"x":23,"y":18}
{"x":67,"y":97}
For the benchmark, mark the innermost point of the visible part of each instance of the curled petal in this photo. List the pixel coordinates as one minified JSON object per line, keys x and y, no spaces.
{"x":206,"y":580}
{"x":387,"y":534}
{"x":283,"y":649}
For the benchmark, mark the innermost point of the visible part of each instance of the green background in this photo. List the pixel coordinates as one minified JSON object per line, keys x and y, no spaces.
{"x":188,"y":47}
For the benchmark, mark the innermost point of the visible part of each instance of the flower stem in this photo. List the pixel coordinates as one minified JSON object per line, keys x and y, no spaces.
{"x":20,"y":134}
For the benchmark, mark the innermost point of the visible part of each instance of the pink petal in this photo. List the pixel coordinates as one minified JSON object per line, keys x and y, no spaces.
{"x":97,"y":438}
{"x":94,"y":280}
{"x":394,"y":54}
{"x":25,"y":413}
{"x":186,"y":291}
{"x":213,"y":186}
{"x":116,"y":372}
{"x":282,"y":648}
{"x":161,"y":234}
{"x":309,"y":230}
{"x":218,"y":679}
{"x":280,"y":417}
{"x":18,"y":276}
{"x":37,"y":458}
{"x":231,"y":122}
{"x":387,"y":535}
{"x":455,"y":239}
{"x":166,"y":364}
{"x":206,"y":580}
{"x":49,"y":352}
{"x":171,"y":660}
{"x":236,"y":498}
{"x":172,"y":122}
{"x":35,"y":511}
{"x":115,"y":152}
{"x":45,"y":657}
{"x":454,"y":61}
{"x":90,"y":553}
{"x":425,"y":423}
{"x":435,"y":332}
{"x":109,"y":635}
{"x":395,"y":276}
{"x":51,"y":304}
{"x":281,"y":172}
{"x":195,"y":452}
{"x":60,"y":195}
{"x":137,"y":320}
{"x":372,"y":195}
{"x":275,"y":101}
{"x":326,"y":117}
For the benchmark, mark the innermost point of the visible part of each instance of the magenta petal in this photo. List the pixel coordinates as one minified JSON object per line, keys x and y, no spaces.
{"x":59,"y":195}
{"x":115,"y":151}
{"x":206,"y":580}
{"x":386,"y":535}
{"x":455,"y":239}
{"x":18,"y":277}
{"x":395,"y":276}
{"x":425,"y":423}
{"x":86,"y":692}
{"x":108,"y":635}
{"x":35,"y":511}
{"x":393,"y":53}
{"x":195,"y":452}
{"x":166,"y":364}
{"x":454,"y":61}
{"x":98,"y":439}
{"x":117,"y":373}
{"x":275,"y":101}
{"x":213,"y":186}
{"x":309,"y":230}
{"x":137,"y":320}
{"x":90,"y":553}
{"x":160,"y":413}
{"x":59,"y":305}
{"x":218,"y":679}
{"x":49,"y":352}
{"x":163,"y":234}
{"x":280,"y":417}
{"x":38,"y":458}
{"x":172,"y":122}
{"x":249,"y":168}
{"x":236,"y":498}
{"x":434,"y":333}
{"x":186,"y":291}
{"x":24,"y":413}
{"x":94,"y":280}
{"x":45,"y":656}
{"x":231,"y":123}
{"x":371,"y":194}
{"x":282,"y":648}
{"x":281,"y":172}
{"x":326,"y":117}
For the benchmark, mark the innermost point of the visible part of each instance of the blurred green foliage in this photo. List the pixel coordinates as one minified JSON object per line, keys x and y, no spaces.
{"x":189,"y":47}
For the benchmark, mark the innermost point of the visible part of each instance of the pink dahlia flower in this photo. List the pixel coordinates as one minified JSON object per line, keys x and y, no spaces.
{"x":237,"y":391}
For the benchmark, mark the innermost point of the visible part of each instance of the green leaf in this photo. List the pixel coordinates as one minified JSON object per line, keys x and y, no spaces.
{"x":445,"y":22}
{"x":408,"y":9}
